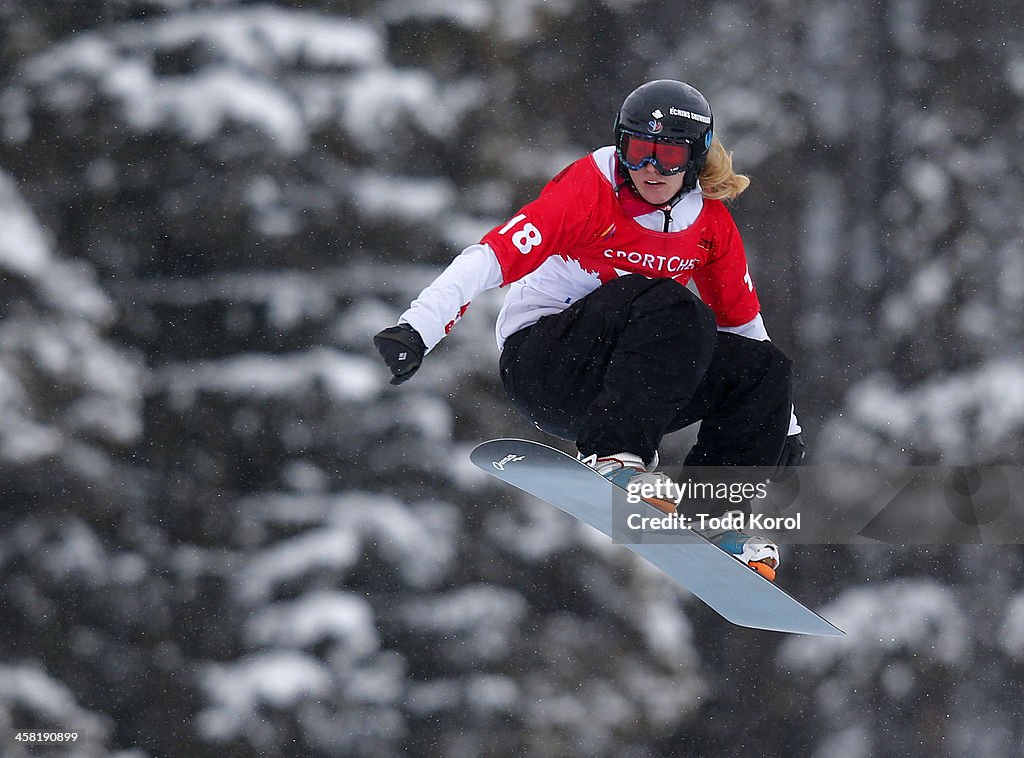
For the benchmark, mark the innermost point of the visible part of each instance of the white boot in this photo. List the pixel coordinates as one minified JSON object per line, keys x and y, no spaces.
{"x":760,"y":553}
{"x":629,"y":471}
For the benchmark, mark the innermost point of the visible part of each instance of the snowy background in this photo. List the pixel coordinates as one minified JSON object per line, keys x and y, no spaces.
{"x":224,"y":534}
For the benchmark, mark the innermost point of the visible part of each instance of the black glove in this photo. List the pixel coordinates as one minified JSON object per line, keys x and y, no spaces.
{"x":402,"y":349}
{"x":792,"y":455}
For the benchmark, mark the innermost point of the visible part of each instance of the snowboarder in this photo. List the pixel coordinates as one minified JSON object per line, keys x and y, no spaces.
{"x":602,"y":343}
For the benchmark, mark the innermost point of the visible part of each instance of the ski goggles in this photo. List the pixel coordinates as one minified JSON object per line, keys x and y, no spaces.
{"x":637,"y":150}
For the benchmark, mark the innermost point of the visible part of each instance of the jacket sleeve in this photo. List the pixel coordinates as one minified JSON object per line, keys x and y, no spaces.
{"x":438,"y":307}
{"x":724,"y":281}
{"x":753,"y":329}
{"x":552,"y":222}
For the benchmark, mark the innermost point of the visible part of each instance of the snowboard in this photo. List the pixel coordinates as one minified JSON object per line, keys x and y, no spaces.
{"x":735,"y":591}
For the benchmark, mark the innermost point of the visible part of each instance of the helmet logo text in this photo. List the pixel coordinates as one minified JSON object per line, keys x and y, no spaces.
{"x":690,"y":115}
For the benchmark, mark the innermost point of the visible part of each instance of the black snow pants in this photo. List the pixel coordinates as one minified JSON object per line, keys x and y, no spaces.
{"x":638,"y":358}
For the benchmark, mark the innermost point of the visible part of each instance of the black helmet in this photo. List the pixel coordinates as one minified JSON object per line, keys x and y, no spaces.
{"x":668,"y":111}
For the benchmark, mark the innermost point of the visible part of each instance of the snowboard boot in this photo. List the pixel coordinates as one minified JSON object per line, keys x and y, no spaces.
{"x":760,"y":553}
{"x":629,"y":470}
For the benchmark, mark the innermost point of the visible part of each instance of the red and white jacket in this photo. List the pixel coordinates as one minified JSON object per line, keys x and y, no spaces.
{"x":581,"y":232}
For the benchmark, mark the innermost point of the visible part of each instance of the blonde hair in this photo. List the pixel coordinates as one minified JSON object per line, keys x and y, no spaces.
{"x":718,"y":181}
